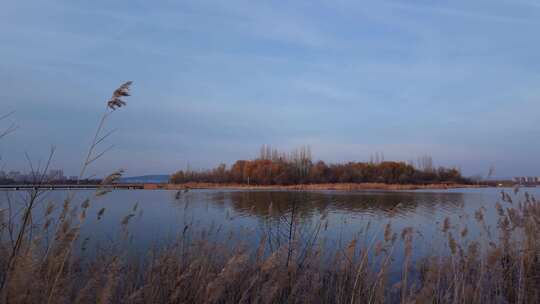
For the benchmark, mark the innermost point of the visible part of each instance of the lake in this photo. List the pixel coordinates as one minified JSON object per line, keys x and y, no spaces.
{"x":243,"y":216}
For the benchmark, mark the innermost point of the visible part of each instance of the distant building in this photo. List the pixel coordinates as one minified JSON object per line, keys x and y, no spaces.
{"x":3,"y":175}
{"x":526,"y":180}
{"x":56,"y":175}
{"x":15,"y":175}
{"x":73,"y":178}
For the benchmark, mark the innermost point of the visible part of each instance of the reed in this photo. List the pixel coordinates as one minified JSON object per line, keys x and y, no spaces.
{"x":195,"y":269}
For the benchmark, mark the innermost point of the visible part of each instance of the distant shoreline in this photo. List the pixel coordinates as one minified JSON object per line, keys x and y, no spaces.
{"x":338,"y":186}
{"x":230,"y":186}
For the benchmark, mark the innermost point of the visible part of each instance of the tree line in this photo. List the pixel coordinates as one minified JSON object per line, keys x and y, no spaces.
{"x":297,"y":167}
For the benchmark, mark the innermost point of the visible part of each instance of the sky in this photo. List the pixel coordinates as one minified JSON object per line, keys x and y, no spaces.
{"x":214,"y":80}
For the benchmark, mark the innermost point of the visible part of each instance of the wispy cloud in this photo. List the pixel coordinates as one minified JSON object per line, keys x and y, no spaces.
{"x":403,"y":77}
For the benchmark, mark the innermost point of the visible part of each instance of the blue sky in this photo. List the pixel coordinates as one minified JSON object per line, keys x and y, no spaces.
{"x":214,"y":80}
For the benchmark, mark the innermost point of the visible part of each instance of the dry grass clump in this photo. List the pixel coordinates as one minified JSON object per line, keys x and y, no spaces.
{"x":506,"y":270}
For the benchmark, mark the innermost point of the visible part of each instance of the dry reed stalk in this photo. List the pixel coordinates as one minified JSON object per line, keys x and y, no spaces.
{"x":112,"y":104}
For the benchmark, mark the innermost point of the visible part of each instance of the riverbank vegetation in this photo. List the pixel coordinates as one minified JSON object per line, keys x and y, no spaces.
{"x":297,"y":167}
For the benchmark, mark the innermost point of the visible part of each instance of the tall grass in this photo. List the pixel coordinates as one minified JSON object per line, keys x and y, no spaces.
{"x":42,"y":260}
{"x":195,"y":268}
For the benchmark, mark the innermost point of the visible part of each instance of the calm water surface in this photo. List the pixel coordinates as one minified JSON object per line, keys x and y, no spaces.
{"x":234,"y":216}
